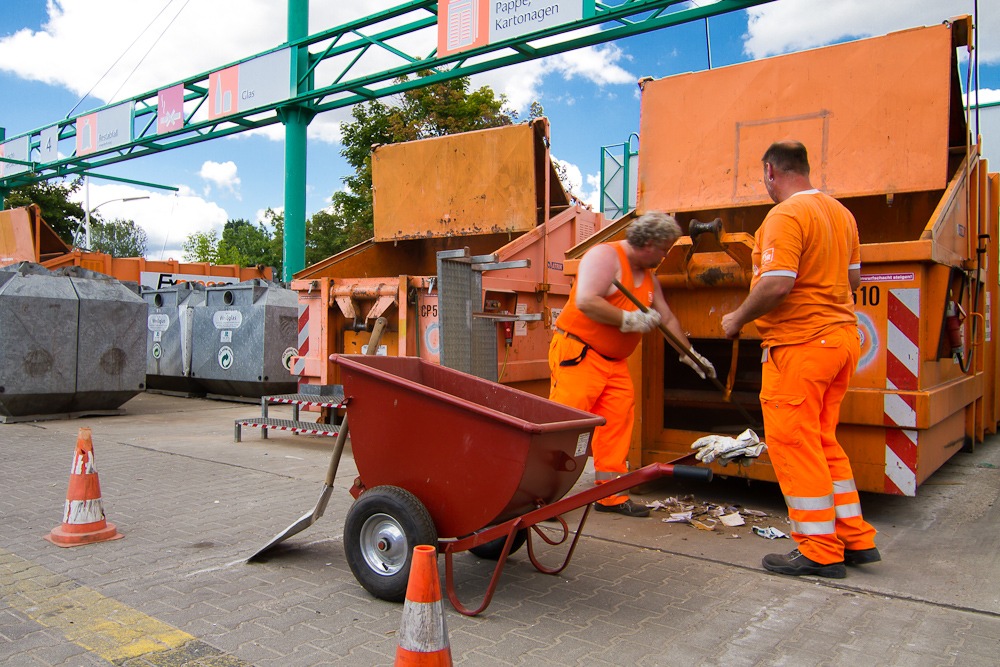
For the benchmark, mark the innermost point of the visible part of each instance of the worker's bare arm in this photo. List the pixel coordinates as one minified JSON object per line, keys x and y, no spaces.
{"x":763,"y":298}
{"x":598,"y":268}
{"x":854,"y":276}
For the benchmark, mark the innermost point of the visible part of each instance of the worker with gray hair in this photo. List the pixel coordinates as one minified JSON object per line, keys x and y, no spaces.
{"x":597,"y":331}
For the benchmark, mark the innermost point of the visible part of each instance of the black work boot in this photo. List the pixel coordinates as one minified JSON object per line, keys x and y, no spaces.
{"x":794,"y":563}
{"x":627,"y":508}
{"x":861,"y":556}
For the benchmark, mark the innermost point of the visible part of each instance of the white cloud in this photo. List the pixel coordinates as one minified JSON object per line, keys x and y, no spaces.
{"x":587,"y":189}
{"x":223,"y":175}
{"x":522,"y":83}
{"x":167,"y":218}
{"x":792,"y":25}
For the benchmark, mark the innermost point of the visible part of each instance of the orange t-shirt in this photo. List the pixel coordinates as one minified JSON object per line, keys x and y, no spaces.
{"x":606,"y":338}
{"x":813,"y":238}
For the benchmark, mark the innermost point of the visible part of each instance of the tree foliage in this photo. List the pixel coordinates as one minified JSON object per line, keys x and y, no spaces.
{"x":63,"y":215}
{"x":118,"y":238}
{"x":201,"y":247}
{"x":242,"y":243}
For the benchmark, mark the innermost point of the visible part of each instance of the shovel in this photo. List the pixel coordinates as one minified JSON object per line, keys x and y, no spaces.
{"x":681,"y":348}
{"x":309,"y":518}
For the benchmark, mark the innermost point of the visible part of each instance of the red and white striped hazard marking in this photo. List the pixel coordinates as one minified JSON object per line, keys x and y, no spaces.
{"x":901,"y":374}
{"x":310,"y":404}
{"x":259,"y":423}
{"x":300,"y":363}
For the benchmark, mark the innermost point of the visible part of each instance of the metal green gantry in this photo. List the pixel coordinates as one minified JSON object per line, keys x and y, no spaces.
{"x":347,"y":76}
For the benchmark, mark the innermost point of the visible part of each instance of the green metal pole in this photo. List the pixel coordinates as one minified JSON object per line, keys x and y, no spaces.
{"x":3,"y":191}
{"x":296,"y":120}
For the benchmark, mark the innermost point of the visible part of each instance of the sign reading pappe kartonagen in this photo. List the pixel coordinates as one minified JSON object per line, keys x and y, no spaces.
{"x":466,"y":24}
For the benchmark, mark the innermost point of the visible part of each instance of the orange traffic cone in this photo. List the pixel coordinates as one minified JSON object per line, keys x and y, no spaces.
{"x":83,"y":519}
{"x":423,"y":634}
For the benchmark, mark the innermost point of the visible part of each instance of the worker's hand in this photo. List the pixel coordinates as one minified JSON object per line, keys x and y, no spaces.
{"x":731,"y":326}
{"x":636,"y":321}
{"x":688,"y":361}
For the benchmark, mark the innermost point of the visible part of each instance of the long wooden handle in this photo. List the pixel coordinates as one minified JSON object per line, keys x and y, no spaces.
{"x":680,"y":347}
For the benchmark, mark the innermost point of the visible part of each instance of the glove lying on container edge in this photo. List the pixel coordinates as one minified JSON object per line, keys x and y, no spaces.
{"x":711,"y":447}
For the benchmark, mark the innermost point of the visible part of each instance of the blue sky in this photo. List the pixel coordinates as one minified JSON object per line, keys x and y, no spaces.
{"x":53,"y":53}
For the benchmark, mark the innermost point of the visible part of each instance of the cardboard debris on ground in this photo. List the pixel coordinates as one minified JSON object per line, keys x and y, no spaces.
{"x":705,"y":515}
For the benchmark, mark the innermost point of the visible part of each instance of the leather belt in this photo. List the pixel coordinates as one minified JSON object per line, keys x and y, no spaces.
{"x":583,"y":353}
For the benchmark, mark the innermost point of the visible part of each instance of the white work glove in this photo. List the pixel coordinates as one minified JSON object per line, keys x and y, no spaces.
{"x":636,"y":321}
{"x":724,"y":448}
{"x":688,"y":361}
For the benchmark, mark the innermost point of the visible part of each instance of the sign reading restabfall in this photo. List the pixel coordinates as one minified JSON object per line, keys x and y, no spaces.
{"x":256,"y":83}
{"x":107,"y":128}
{"x":466,"y":24}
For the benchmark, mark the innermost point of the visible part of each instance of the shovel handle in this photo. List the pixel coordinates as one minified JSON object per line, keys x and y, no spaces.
{"x":338,"y":445}
{"x":683,"y":349}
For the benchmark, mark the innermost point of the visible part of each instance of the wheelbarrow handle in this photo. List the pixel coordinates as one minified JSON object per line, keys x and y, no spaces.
{"x":693,"y":473}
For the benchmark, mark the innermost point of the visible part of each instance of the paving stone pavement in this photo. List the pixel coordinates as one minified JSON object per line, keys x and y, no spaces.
{"x":193,"y":505}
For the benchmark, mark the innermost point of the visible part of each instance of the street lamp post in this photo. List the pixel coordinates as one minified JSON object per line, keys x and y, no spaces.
{"x":88,"y":211}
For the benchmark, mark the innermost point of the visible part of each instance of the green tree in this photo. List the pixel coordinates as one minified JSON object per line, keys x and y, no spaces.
{"x":243,"y":243}
{"x":118,"y":238}
{"x":429,"y":111}
{"x":326,"y":234}
{"x":201,"y":247}
{"x":63,"y":215}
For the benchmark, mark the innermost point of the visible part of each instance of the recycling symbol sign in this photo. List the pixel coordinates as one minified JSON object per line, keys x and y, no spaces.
{"x":157,"y":351}
{"x":226,"y":358}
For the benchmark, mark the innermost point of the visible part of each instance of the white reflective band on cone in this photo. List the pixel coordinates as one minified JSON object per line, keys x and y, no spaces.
{"x":83,"y":511}
{"x":423,"y":628}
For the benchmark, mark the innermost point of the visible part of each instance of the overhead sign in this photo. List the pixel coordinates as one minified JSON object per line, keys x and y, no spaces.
{"x":15,"y":149}
{"x":250,"y":85}
{"x":170,"y":109}
{"x":107,"y":128}
{"x":48,"y":144}
{"x":466,"y":24}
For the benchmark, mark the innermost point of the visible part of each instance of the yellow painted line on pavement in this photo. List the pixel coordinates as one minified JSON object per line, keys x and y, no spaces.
{"x":108,"y":628}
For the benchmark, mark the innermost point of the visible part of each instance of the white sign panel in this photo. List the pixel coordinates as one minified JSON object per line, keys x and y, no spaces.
{"x":156,"y":280}
{"x":513,"y":18}
{"x":15,"y":149}
{"x":250,"y":85}
{"x":467,"y":24}
{"x":48,"y":147}
{"x":108,"y":128}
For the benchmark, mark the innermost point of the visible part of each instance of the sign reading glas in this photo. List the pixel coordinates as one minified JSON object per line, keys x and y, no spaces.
{"x":250,"y":85}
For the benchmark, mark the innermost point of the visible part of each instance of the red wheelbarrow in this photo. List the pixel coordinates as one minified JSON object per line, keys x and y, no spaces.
{"x":463,"y":464}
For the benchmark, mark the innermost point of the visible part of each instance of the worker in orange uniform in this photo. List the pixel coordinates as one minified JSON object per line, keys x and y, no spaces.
{"x":597,"y":331}
{"x":806,"y":267}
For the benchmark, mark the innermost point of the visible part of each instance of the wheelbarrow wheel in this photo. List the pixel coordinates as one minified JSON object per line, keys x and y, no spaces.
{"x":492,"y":549}
{"x":382,"y":527}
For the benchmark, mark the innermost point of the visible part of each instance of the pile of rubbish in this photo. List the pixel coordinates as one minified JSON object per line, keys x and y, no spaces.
{"x":709,"y":516}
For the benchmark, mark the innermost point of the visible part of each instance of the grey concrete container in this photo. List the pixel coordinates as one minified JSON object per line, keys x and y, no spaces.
{"x":243,"y":339}
{"x":169,"y":337}
{"x":71,"y":343}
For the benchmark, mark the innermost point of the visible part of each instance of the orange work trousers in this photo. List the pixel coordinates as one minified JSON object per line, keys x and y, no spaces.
{"x":601,"y":386}
{"x":802,"y":388}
